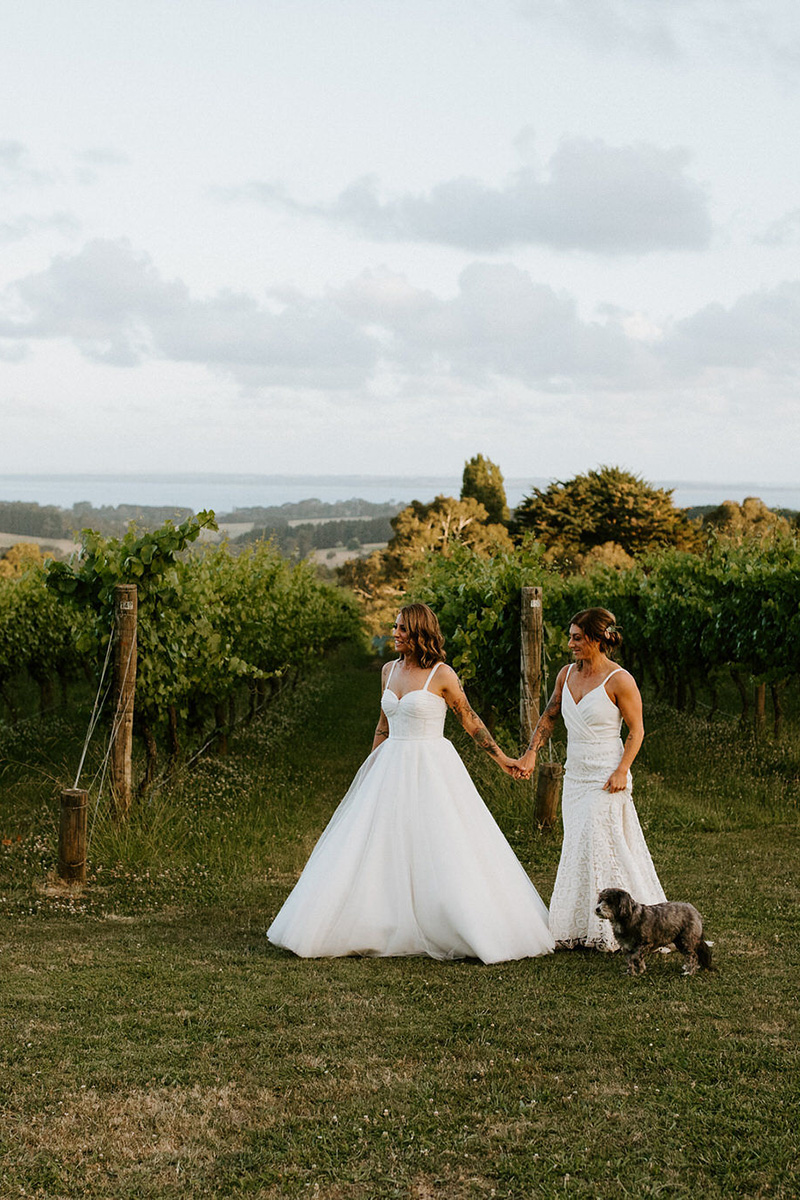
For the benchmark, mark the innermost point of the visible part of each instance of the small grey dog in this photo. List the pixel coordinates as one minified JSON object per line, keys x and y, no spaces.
{"x":640,"y":928}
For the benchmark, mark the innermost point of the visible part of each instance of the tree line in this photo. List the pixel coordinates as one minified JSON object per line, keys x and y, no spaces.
{"x":605,"y":517}
{"x":49,"y":521}
{"x":606,"y":536}
{"x":298,"y":541}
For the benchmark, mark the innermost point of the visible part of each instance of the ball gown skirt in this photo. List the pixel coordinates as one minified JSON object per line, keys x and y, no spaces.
{"x":412,"y":861}
{"x":603,"y":845}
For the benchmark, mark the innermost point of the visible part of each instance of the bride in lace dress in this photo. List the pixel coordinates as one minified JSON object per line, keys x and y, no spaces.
{"x":412,"y":861}
{"x":603,"y":841}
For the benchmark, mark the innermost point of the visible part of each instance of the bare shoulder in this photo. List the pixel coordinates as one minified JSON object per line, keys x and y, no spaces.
{"x":558,"y":686}
{"x":622,"y":677}
{"x":561,"y":677}
{"x":554,"y":702}
{"x":622,"y":684}
{"x":386,"y":670}
{"x":445,"y":681}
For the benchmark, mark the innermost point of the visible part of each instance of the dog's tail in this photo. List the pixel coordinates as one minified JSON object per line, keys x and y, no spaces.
{"x":704,"y":955}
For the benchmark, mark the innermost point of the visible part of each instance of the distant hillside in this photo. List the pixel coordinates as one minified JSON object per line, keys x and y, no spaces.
{"x":298,"y":540}
{"x":297,"y":526}
{"x":310,"y":510}
{"x":28,"y":519}
{"x":45,"y":520}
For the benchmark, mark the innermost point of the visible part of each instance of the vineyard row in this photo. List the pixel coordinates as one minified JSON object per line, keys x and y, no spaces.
{"x":688,"y":620}
{"x":210,"y":625}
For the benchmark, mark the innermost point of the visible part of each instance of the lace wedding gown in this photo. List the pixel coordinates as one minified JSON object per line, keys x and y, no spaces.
{"x":412,"y":861}
{"x":603,"y":844}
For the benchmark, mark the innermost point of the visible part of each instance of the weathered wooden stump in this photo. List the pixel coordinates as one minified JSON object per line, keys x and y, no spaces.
{"x":72,"y":835}
{"x":548,"y":794}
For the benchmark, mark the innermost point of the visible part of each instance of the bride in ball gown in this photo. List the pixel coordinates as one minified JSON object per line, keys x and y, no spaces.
{"x":412,"y":861}
{"x":603,"y":843}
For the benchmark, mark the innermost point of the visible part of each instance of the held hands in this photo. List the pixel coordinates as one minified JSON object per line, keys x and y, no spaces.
{"x":511,"y":767}
{"x":518,"y":768}
{"x":507,"y":764}
{"x":523,"y":767}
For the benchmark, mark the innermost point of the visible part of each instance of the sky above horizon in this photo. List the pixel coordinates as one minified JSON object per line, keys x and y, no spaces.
{"x":298,"y":237}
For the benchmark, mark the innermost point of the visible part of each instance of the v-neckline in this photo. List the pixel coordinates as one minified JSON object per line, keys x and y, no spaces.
{"x":591,"y":691}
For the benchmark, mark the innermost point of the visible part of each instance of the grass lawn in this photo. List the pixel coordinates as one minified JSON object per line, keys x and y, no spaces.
{"x":153,"y":1044}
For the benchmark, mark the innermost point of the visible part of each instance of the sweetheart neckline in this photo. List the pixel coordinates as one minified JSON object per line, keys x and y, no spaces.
{"x":413,"y":692}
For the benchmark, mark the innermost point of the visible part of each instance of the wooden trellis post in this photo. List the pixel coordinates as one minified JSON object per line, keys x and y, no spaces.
{"x":530,"y":666}
{"x":548,"y":794}
{"x":760,"y":707}
{"x":548,"y":780}
{"x":125,"y":615}
{"x":72,"y":835}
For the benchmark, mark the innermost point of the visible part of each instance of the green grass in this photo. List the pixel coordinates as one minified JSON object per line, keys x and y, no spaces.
{"x":153,"y":1044}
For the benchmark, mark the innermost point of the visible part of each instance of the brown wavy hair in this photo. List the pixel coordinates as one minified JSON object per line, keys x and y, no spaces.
{"x":599,"y":625}
{"x":424,"y":633}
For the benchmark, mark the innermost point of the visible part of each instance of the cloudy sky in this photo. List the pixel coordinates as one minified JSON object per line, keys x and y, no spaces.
{"x":379,"y":236}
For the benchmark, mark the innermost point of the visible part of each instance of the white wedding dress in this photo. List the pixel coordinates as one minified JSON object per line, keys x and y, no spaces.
{"x":412,"y":861}
{"x":603,"y":846}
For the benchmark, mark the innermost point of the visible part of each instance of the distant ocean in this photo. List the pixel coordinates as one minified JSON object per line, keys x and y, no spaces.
{"x":225,"y":493}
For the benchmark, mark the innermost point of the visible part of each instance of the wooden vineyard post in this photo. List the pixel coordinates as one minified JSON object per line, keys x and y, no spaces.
{"x":125,"y":613}
{"x":72,"y":835}
{"x":760,"y":707}
{"x":530,"y":665}
{"x":548,"y":794}
{"x":548,"y":775}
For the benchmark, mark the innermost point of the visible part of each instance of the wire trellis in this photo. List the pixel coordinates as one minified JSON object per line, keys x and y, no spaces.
{"x":99,"y":703}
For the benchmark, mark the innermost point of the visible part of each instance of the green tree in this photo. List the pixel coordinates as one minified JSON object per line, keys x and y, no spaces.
{"x":420,"y":529}
{"x":736,"y":523}
{"x":483,"y":481}
{"x":17,"y":559}
{"x":608,"y":508}
{"x":443,"y":524}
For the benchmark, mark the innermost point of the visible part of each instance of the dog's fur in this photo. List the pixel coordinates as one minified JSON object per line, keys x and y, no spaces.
{"x":641,"y":928}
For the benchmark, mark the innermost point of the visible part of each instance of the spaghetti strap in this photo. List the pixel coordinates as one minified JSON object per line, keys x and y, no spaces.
{"x":391,"y":673}
{"x":430,"y":677}
{"x":610,"y":673}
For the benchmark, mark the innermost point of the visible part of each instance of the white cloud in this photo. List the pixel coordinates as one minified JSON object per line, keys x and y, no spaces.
{"x":760,"y":331}
{"x":678,"y":30}
{"x":116,"y":307}
{"x":94,"y":161}
{"x":499,"y":324}
{"x":101,"y":156}
{"x":27,"y":225}
{"x":783,"y":232}
{"x":16,"y":170}
{"x":605,"y":199}
{"x":621,"y":25}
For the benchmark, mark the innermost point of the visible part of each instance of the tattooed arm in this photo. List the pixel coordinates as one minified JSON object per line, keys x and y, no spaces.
{"x":544,"y":728}
{"x":450,"y":689}
{"x":382,"y":728}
